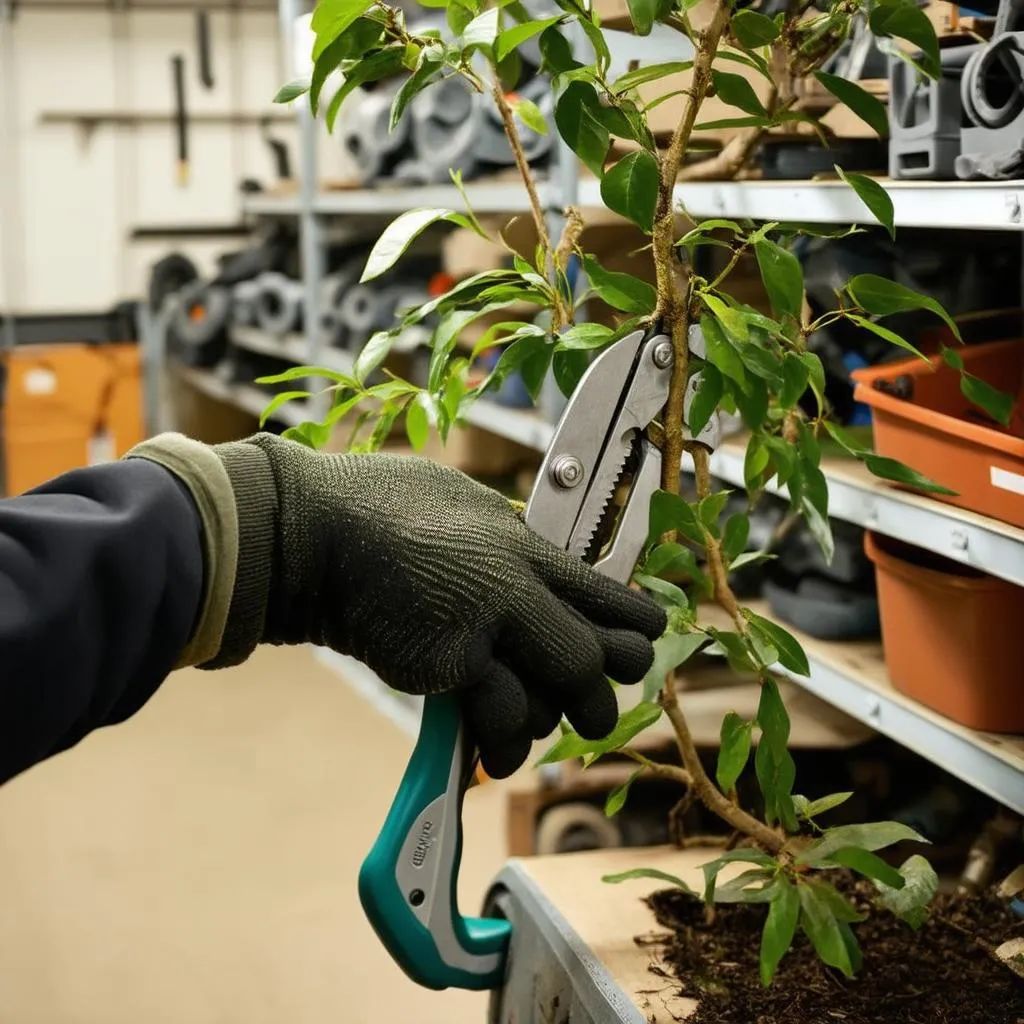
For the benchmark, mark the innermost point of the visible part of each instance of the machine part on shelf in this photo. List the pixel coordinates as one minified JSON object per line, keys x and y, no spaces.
{"x":998,"y":832}
{"x":198,"y":332}
{"x":798,"y":161}
{"x":167,"y":277}
{"x":365,"y":308}
{"x":926,"y":117}
{"x":275,"y":251}
{"x":572,"y":827}
{"x":1005,"y":165}
{"x":366,"y":136}
{"x":243,"y":303}
{"x":278,"y":152}
{"x":992,"y":82}
{"x":824,"y":609}
{"x":180,"y":116}
{"x":204,"y":56}
{"x":332,"y":291}
{"x":279,"y":303}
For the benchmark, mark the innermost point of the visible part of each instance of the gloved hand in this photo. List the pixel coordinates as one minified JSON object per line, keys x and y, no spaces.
{"x":433,"y":581}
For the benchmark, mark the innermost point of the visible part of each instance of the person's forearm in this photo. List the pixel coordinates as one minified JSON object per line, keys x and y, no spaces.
{"x":101,"y":586}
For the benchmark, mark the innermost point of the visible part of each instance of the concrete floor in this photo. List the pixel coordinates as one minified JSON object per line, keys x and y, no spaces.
{"x":197,"y":865}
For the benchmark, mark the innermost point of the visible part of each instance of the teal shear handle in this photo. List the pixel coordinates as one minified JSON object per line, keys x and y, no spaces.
{"x":408,"y":882}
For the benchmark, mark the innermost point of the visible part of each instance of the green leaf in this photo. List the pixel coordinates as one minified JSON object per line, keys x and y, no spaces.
{"x":705,"y":399}
{"x":568,"y":368}
{"x":417,"y":424}
{"x":791,"y":654}
{"x":907,"y":21}
{"x":671,"y":594}
{"x":740,"y":889}
{"x":997,"y":404}
{"x":587,"y":138}
{"x":301,"y":372}
{"x":751,"y":401}
{"x":399,"y":234}
{"x":737,"y":92}
{"x":671,"y":512}
{"x":597,"y":40}
{"x":704,"y":229}
{"x":732,"y":320}
{"x":631,"y":722}
{"x":584,"y":336}
{"x":649,"y":73}
{"x":820,"y":528}
{"x":873,"y":836}
{"x":794,"y":380}
{"x":293,"y":90}
{"x":281,"y":398}
{"x":514,"y":37}
{"x":747,"y":121}
{"x":825,"y":803}
{"x":868,"y":108}
{"x":755,"y":462}
{"x":672,"y":558}
{"x":630,"y":188}
{"x":378,"y":65}
{"x":623,"y":292}
{"x":816,"y":376}
{"x":482,"y":31}
{"x":458,"y":16}
{"x":556,"y":52}
{"x":779,"y":928}
{"x":873,"y":196}
{"x":331,"y":18}
{"x":776,"y":770}
{"x":659,"y":876}
{"x":734,"y":750}
{"x":884,"y":332}
{"x":670,"y":651}
{"x":709,"y":510}
{"x":735,"y":535}
{"x":821,"y":927}
{"x":373,"y":353}
{"x":429,"y":65}
{"x":529,"y":113}
{"x":643,"y":14}
{"x":720,"y":354}
{"x":616,"y":799}
{"x":735,"y":648}
{"x":753,"y":30}
{"x":910,"y":902}
{"x":747,"y":855}
{"x":868,"y":864}
{"x":312,"y":435}
{"x":952,"y":358}
{"x":889,"y":469}
{"x":782,"y":276}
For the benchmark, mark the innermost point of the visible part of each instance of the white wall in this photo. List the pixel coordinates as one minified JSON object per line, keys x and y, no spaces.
{"x":67,"y":205}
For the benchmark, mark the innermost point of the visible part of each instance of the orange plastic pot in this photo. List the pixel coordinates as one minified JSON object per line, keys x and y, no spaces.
{"x":921,"y":418}
{"x":949,"y":634}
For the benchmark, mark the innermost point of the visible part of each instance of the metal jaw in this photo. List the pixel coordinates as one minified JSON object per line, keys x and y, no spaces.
{"x":409,"y":881}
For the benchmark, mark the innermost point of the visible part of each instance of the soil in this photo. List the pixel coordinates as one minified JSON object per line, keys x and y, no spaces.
{"x":941,"y":974}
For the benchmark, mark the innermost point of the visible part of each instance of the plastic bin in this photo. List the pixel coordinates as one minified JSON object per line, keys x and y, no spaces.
{"x":950,"y":635}
{"x":921,"y":418}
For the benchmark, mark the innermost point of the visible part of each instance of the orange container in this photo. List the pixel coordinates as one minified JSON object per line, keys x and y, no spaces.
{"x":950,"y":635}
{"x":937,"y":431}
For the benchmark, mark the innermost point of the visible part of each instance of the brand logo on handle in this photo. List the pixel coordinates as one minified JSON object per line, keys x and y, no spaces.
{"x":423,"y":844}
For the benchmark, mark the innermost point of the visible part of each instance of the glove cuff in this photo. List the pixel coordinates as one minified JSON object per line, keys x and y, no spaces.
{"x":256,"y":503}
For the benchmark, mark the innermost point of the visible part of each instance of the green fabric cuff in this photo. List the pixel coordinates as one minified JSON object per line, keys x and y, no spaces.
{"x":198,"y":467}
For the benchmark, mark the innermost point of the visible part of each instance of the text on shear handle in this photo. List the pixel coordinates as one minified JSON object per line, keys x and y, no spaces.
{"x":423,"y":844}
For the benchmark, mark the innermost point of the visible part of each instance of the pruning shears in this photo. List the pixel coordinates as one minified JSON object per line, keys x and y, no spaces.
{"x":408,"y":883}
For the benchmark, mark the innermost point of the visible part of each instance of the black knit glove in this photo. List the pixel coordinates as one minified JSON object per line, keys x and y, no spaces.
{"x":433,"y":581}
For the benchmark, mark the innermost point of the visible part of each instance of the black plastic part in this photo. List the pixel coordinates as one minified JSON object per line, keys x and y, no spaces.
{"x":169,"y":275}
{"x":204,"y":54}
{"x":797,"y":161}
{"x":201,"y":341}
{"x":180,"y":109}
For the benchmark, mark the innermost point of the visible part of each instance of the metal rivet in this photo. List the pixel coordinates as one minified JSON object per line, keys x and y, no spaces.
{"x":567,"y":471}
{"x":662,"y":354}
{"x":416,"y":897}
{"x":958,"y":538}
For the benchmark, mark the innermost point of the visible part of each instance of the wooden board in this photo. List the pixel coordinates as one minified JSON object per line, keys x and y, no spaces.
{"x":610,"y":918}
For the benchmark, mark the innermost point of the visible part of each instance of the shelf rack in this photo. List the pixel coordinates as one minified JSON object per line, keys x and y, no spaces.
{"x":850,"y":677}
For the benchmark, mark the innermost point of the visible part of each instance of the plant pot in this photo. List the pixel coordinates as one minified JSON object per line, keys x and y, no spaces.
{"x":949,"y":633}
{"x":922,"y":419}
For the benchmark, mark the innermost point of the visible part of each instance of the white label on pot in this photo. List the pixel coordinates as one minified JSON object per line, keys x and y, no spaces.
{"x":1006,"y":481}
{"x":40,"y":381}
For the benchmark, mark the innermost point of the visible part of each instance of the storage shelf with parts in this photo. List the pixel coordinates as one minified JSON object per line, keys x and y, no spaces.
{"x":851,"y":676}
{"x":248,"y":397}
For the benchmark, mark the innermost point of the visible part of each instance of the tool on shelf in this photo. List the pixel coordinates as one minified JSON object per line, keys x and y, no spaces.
{"x":408,"y":884}
{"x":180,"y":116}
{"x":204,"y":56}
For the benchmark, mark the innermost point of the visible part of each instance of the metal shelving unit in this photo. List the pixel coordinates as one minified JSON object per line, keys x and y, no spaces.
{"x":856,"y":684}
{"x":247,"y":397}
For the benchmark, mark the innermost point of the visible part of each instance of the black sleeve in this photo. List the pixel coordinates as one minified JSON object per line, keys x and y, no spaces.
{"x":101,"y":582}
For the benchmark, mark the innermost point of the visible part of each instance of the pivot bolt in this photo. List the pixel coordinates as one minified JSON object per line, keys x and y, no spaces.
{"x":567,"y":471}
{"x":662,"y":354}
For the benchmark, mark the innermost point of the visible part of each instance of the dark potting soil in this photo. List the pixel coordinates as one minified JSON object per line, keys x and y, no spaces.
{"x":937,"y":975}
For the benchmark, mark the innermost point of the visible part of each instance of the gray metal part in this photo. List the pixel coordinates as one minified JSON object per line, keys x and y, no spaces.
{"x":433,"y":840}
{"x":243,"y":299}
{"x":551,"y":976}
{"x":278,"y":303}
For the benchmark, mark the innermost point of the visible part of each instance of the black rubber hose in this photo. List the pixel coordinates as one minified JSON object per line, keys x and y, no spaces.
{"x":205,"y":57}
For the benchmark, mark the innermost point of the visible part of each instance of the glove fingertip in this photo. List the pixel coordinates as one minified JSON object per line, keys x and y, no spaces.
{"x":596,"y":715}
{"x":500,"y":760}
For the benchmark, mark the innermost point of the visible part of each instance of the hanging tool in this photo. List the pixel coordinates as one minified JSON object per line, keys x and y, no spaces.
{"x":204,"y":56}
{"x":180,"y":116}
{"x":409,"y":881}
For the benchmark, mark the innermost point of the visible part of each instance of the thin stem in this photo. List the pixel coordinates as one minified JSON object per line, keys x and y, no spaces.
{"x":703,"y":787}
{"x":666,"y":771}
